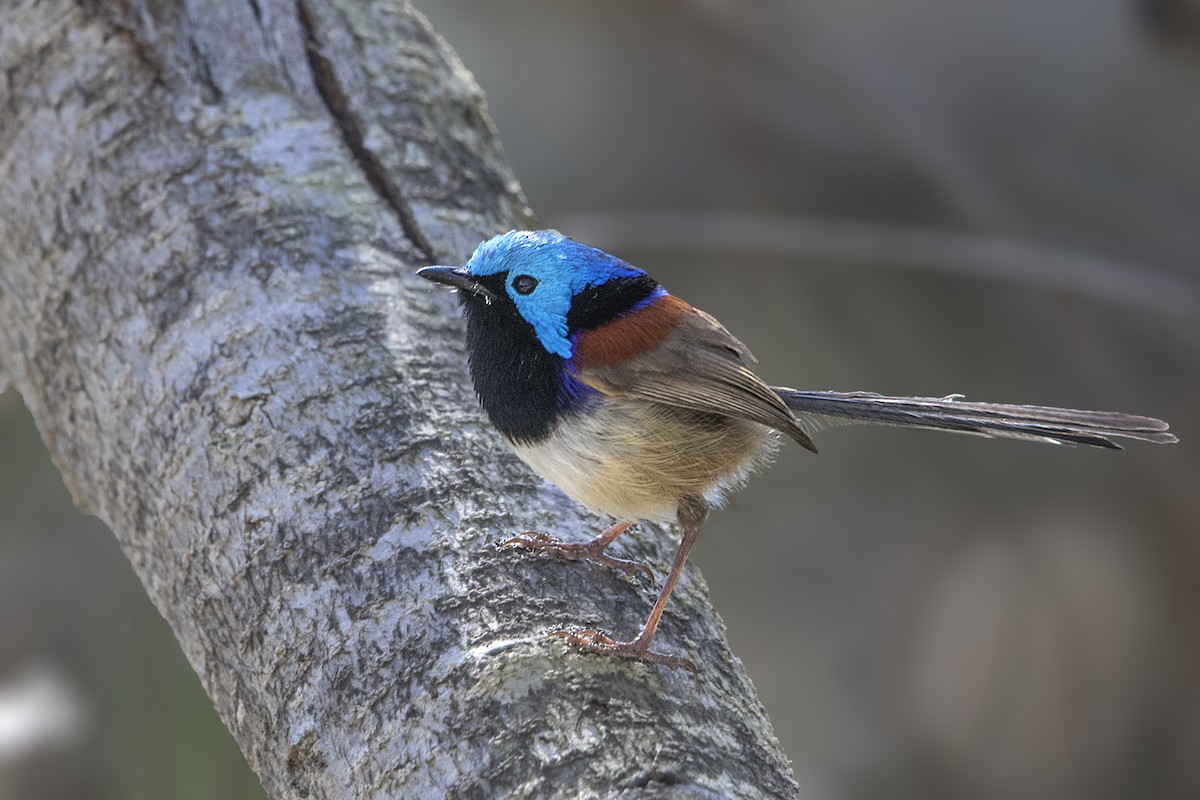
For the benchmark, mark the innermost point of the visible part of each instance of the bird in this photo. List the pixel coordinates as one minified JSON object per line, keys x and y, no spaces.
{"x":643,"y":408}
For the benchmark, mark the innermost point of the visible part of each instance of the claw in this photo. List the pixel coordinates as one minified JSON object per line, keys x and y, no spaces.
{"x":590,"y":551}
{"x":529,"y":540}
{"x":593,"y":641}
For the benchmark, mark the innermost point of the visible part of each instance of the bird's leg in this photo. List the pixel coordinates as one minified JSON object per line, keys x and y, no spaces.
{"x":692,"y":513}
{"x":588,"y":551}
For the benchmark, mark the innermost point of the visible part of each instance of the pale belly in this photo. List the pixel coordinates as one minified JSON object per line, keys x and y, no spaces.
{"x":635,"y":459}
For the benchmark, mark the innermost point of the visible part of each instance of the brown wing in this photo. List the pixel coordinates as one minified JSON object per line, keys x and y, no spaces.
{"x":675,"y":354}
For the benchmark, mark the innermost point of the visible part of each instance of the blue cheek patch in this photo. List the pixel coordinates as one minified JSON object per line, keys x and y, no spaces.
{"x":547,"y":311}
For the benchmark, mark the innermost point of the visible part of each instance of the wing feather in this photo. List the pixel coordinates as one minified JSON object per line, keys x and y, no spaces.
{"x":697,"y":365}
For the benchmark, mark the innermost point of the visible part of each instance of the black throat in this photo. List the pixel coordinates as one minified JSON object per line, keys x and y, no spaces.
{"x":517,"y":381}
{"x":522,"y":387}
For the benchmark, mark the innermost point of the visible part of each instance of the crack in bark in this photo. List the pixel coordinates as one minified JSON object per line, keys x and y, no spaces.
{"x":119,"y":16}
{"x":338,"y":103}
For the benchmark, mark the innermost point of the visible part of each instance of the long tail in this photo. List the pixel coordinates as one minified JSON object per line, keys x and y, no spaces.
{"x":1033,"y":423}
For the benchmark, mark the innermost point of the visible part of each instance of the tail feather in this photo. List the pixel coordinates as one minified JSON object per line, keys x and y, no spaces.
{"x":1032,"y":423}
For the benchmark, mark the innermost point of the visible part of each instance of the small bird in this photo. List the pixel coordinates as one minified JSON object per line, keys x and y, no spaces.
{"x":641,"y":407}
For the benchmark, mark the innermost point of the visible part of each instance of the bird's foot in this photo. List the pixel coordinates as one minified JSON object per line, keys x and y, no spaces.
{"x":593,"y":641}
{"x":589,"y":551}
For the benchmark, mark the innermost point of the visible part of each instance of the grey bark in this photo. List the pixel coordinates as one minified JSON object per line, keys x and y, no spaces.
{"x":210,"y":216}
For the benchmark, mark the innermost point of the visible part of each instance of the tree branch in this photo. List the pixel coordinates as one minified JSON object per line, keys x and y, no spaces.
{"x":209,"y":224}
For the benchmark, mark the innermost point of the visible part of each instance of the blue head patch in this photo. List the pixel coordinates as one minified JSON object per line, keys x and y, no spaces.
{"x":545,"y":270}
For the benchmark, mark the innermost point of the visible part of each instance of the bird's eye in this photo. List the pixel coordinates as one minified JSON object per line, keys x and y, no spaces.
{"x":524,"y":284}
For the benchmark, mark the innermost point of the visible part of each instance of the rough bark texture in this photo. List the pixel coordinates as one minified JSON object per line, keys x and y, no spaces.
{"x":210,"y":215}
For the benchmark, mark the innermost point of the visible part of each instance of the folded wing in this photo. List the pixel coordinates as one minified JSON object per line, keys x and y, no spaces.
{"x":674,"y":354}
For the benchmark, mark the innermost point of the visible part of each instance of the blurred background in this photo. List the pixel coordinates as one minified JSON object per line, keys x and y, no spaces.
{"x":918,"y":197}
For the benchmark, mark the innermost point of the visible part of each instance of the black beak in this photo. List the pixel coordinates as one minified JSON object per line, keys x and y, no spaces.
{"x":459,"y":279}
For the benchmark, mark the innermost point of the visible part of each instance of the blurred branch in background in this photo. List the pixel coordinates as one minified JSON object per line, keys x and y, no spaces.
{"x":1175,"y":22}
{"x":39,"y":710}
{"x":734,"y":234}
{"x":862,"y":86}
{"x":42,"y":718}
